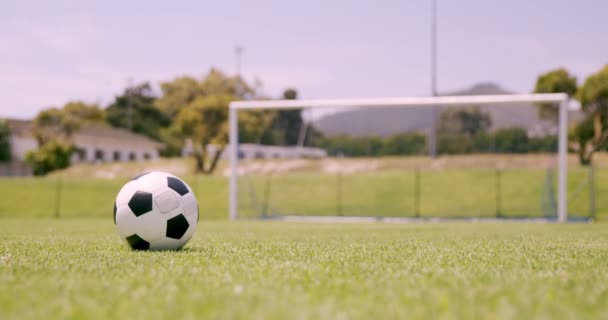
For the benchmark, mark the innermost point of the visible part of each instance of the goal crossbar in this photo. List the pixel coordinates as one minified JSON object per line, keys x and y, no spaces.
{"x":560,"y":99}
{"x":400,"y":102}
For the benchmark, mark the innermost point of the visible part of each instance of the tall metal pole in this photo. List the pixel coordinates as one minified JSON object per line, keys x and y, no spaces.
{"x":498,"y":191}
{"x":58,"y":196}
{"x":128,"y":94}
{"x":562,"y":163}
{"x":417,"y":193}
{"x":233,"y":143}
{"x":233,"y":151}
{"x":238,"y":51}
{"x":435,"y":109}
{"x":592,"y":205}
{"x":433,"y":47}
{"x":339,"y":193}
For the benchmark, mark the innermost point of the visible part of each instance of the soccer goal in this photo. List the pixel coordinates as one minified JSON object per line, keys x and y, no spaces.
{"x":475,"y":156}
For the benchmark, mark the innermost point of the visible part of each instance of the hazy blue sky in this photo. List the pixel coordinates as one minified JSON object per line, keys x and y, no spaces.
{"x":55,"y":51}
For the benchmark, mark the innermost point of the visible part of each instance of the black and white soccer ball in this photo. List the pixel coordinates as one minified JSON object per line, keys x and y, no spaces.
{"x":156,"y":211}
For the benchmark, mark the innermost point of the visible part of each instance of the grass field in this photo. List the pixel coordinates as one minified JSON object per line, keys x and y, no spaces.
{"x":80,"y":269}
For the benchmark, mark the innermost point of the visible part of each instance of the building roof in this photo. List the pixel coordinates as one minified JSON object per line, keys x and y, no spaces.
{"x":20,"y":127}
{"x":25,"y":128}
{"x":119,"y":134}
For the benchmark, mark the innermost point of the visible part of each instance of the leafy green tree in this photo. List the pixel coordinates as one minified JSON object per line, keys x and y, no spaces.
{"x":5,"y":142}
{"x":483,"y":142}
{"x":63,"y":122}
{"x":177,"y":94}
{"x":404,"y":144}
{"x":547,"y":143}
{"x":52,"y":155}
{"x":455,"y":144}
{"x":511,"y":140}
{"x":135,"y":110}
{"x":458,"y":128}
{"x":554,"y":81}
{"x":345,"y":145}
{"x":287,"y":124}
{"x":593,"y":96}
{"x":217,"y":82}
{"x":467,"y":121}
{"x":204,"y":121}
{"x":255,"y":124}
{"x":182,"y":92}
{"x":54,"y":128}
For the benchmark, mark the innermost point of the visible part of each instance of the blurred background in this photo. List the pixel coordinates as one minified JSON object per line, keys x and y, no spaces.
{"x":96,"y":92}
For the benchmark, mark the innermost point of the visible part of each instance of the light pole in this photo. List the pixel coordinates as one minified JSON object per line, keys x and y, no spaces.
{"x":238,"y":52}
{"x":128,"y":94}
{"x":433,"y":47}
{"x":435,"y":109}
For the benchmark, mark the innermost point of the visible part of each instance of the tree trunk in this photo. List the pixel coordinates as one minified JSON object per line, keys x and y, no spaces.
{"x":200,"y":162}
{"x":597,"y":126}
{"x":585,"y":155}
{"x":584,"y":158}
{"x":215,"y":160}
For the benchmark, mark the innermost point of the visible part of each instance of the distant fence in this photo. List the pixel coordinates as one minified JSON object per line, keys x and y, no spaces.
{"x":407,"y":193}
{"x":485,"y":192}
{"x":56,"y":196}
{"x":14,"y":169}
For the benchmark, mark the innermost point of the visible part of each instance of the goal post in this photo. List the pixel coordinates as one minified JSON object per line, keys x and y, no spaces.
{"x":560,"y":100}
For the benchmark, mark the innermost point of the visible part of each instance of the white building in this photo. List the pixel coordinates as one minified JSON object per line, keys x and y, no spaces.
{"x":106,"y":144}
{"x":22,"y":139}
{"x":259,"y":151}
{"x":93,"y":144}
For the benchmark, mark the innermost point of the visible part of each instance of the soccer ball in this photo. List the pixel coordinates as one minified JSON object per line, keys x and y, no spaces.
{"x":157,"y":211}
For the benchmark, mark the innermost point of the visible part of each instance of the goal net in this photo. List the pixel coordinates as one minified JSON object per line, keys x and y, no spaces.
{"x":486,"y":156}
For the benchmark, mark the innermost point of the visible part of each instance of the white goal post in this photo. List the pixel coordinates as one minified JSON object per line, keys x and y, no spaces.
{"x":560,"y":99}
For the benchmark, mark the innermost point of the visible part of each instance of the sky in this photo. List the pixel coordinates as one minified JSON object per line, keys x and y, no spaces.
{"x":52,"y":52}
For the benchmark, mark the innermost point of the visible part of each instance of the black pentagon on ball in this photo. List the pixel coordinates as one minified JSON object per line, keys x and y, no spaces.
{"x":177,"y":226}
{"x":140,"y":175}
{"x":114,"y":212}
{"x":137,"y":243}
{"x":177,"y":185}
{"x":141,"y":203}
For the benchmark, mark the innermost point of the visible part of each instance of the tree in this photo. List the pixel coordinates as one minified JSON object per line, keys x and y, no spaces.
{"x":404,"y":144}
{"x":468,"y":121}
{"x":555,"y":81}
{"x":180,"y":92}
{"x":135,"y":110}
{"x":217,"y":82}
{"x":61,"y":123}
{"x":5,"y":141}
{"x":593,"y":96}
{"x":286,"y":125}
{"x":177,"y":94}
{"x":51,"y":156}
{"x":511,"y":140}
{"x":204,"y":121}
{"x":459,"y":126}
{"x":54,"y":128}
{"x":254,"y":125}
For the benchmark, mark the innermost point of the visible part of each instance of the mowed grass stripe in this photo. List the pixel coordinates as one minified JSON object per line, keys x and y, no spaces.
{"x":73,"y":268}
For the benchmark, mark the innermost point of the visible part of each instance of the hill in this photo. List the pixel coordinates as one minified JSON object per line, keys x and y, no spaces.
{"x":390,"y":120}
